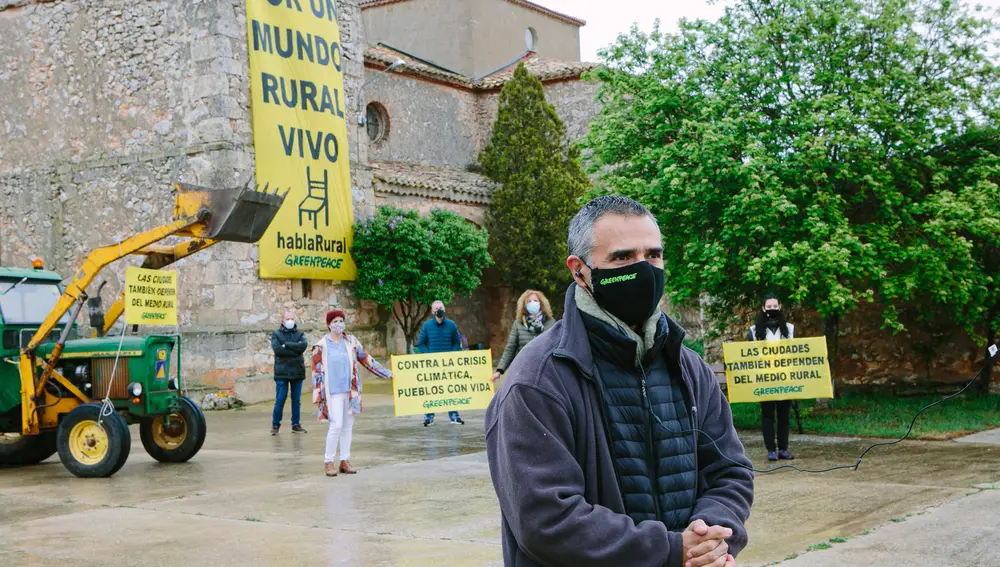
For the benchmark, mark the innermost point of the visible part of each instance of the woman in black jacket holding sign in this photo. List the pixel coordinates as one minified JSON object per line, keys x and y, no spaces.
{"x":771,"y":326}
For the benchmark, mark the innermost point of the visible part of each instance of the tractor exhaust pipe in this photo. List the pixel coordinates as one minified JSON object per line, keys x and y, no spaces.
{"x":95,"y":311}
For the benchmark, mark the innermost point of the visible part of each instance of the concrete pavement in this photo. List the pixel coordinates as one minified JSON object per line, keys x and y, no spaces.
{"x":988,"y":437}
{"x":960,"y":533}
{"x":423,"y":497}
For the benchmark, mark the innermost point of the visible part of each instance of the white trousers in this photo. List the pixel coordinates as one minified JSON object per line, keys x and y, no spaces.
{"x":341,"y":426}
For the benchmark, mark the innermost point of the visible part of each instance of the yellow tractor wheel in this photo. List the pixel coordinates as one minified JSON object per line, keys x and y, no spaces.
{"x":177,"y":437}
{"x":91,"y":445}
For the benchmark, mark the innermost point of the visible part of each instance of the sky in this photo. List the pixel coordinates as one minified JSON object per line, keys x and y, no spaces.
{"x":608,"y":18}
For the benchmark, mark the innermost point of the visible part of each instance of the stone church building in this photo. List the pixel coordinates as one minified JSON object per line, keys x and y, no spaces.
{"x":107,"y":103}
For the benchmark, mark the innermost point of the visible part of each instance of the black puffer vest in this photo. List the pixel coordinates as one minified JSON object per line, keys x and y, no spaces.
{"x":655,"y":459}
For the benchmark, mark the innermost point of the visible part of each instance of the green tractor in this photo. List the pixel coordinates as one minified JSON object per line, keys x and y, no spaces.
{"x":60,"y":393}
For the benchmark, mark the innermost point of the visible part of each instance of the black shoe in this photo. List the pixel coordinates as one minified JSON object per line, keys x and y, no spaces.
{"x":274,"y":430}
{"x":428,"y":421}
{"x":298,"y":429}
{"x":458,"y":421}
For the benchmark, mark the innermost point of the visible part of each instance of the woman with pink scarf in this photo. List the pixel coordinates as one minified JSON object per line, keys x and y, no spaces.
{"x":337,"y":388}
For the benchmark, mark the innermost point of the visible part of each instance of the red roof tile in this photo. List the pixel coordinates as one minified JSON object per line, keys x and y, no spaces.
{"x":545,"y":69}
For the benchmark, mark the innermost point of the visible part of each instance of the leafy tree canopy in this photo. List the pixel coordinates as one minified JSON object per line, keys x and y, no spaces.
{"x":407,"y":261}
{"x":832,"y":151}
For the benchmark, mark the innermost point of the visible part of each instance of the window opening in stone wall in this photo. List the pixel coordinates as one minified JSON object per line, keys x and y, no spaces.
{"x":377,"y":122}
{"x":530,"y":39}
{"x":307,"y":289}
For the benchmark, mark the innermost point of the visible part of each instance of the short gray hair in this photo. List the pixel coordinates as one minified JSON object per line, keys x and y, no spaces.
{"x":580,"y":240}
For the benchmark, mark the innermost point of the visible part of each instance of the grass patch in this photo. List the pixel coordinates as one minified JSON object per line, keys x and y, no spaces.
{"x":897,"y":520}
{"x":838,"y":540}
{"x":884,"y":415}
{"x":819,"y":547}
{"x":251,"y":519}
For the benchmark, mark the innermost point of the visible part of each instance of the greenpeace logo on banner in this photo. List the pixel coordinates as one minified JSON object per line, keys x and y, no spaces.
{"x":320,"y":262}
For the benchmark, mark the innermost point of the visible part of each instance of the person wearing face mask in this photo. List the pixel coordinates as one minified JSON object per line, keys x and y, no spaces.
{"x":439,"y":334}
{"x":534,"y":316}
{"x":771,"y":326}
{"x":337,"y":388}
{"x":610,"y":443}
{"x":288,"y":344}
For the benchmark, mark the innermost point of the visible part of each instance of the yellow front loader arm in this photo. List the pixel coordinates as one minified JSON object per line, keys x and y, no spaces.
{"x":73,"y":298}
{"x":206,"y":216}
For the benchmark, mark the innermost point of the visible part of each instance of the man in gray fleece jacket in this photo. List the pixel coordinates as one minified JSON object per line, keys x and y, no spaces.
{"x":600,"y":442}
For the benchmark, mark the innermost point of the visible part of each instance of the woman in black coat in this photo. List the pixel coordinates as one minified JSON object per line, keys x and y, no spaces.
{"x":771,"y":326}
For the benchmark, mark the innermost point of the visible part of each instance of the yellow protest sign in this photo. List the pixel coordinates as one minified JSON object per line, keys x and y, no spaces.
{"x":298,"y":110}
{"x":150,"y":297}
{"x":444,"y":381}
{"x":762,"y":371}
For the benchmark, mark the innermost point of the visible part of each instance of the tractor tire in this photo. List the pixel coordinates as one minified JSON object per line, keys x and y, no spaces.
{"x":18,"y":450}
{"x":89,"y":449}
{"x":179,"y":441}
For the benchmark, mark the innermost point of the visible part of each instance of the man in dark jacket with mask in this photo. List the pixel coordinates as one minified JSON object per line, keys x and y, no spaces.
{"x":600,"y":442}
{"x":288,"y":343}
{"x":439,"y":334}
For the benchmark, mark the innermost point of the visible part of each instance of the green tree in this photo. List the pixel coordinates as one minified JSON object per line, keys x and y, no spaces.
{"x":780,"y":146}
{"x":952,"y":265}
{"x":406,"y":261}
{"x":541,"y":182}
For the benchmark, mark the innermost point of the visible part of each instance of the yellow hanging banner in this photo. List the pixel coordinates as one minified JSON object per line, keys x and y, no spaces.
{"x":150,"y":297}
{"x":444,"y":381}
{"x":763,"y":371}
{"x":298,"y":108}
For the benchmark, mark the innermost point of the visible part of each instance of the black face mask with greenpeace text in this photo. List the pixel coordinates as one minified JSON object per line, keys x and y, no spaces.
{"x":632,"y":293}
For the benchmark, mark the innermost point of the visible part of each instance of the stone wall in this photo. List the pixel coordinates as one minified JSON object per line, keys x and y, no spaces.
{"x":107,"y":103}
{"x":435,"y":30}
{"x":498,"y":35}
{"x":429,"y":123}
{"x":441,"y":125}
{"x":469,"y":37}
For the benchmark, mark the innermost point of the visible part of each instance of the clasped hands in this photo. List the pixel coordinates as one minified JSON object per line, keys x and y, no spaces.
{"x":705,"y":546}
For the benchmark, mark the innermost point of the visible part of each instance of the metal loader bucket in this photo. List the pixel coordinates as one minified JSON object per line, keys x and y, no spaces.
{"x":236,"y":215}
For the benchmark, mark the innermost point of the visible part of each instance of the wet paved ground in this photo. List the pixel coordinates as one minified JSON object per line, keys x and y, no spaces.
{"x":423,"y":498}
{"x":960,"y":533}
